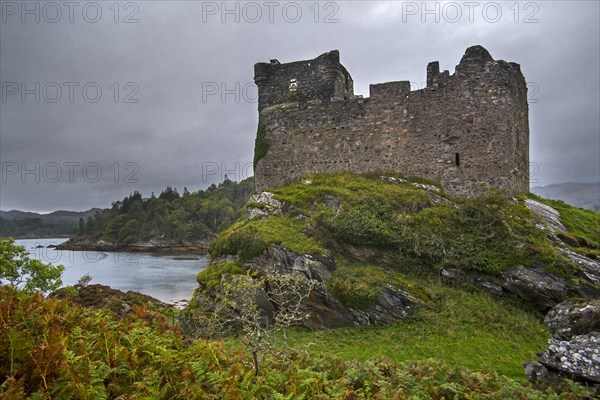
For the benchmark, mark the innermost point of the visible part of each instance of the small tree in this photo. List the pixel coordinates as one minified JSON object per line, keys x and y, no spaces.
{"x":18,"y":269}
{"x":84,"y":280}
{"x":255,"y":308}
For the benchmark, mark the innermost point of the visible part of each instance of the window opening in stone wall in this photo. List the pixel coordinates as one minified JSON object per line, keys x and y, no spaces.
{"x":293,"y":85}
{"x":457,"y":159}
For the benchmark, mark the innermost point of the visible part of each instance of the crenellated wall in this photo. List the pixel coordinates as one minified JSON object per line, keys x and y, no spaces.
{"x":468,"y":130}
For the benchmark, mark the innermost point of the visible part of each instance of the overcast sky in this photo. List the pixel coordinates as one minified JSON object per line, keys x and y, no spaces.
{"x":159,"y":119}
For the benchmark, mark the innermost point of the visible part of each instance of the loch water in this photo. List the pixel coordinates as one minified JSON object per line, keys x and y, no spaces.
{"x":169,"y":278}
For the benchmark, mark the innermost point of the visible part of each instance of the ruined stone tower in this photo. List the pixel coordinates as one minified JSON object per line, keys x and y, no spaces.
{"x":468,"y":130}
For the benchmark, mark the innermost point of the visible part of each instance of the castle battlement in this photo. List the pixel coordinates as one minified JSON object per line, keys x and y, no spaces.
{"x":468,"y":130}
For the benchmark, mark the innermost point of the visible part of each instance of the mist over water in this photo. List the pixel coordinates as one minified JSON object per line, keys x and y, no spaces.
{"x":164,"y":277}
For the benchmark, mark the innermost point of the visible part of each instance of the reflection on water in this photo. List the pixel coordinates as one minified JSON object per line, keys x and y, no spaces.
{"x":168,"y":278}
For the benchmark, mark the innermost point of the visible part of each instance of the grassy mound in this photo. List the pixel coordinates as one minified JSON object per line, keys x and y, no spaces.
{"x":393,"y":231}
{"x":249,"y":239}
{"x":423,"y":229}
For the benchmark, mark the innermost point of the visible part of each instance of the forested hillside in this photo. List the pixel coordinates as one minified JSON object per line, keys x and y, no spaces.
{"x":170,"y":217}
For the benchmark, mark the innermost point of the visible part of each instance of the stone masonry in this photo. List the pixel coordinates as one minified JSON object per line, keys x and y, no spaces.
{"x":468,"y":130}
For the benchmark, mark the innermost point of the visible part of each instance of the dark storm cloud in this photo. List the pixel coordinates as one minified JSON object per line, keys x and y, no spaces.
{"x":176,"y":136}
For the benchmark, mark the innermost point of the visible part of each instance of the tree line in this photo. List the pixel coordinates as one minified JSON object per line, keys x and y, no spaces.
{"x":35,"y":227}
{"x":170,"y":218}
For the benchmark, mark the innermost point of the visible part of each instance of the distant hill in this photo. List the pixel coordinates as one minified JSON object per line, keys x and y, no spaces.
{"x":55,"y":216}
{"x":25,"y":224}
{"x":584,"y":195}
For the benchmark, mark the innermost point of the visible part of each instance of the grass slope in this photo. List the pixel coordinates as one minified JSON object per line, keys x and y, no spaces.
{"x":581,"y":223}
{"x":409,"y":235}
{"x":458,"y":328}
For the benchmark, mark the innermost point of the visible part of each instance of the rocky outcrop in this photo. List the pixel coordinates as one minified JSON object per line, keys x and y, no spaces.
{"x":392,"y":303}
{"x":578,"y":358}
{"x":589,"y":267}
{"x":263,"y":205}
{"x":550,"y":221}
{"x":537,"y":287}
{"x":325,"y":310}
{"x":537,"y":372}
{"x":574,"y":350}
{"x":549,"y":217}
{"x":486,"y":283}
{"x":569,"y":319}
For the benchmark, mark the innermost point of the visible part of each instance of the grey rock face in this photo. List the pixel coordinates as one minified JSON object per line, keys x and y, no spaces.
{"x":391,"y":179}
{"x":483,"y":282}
{"x":391,"y":305}
{"x":574,"y":350}
{"x":429,"y":188}
{"x":269,"y":205}
{"x":327,"y":312}
{"x":536,"y":371}
{"x":333,"y":202}
{"x":538,"y":287}
{"x":569,"y":319}
{"x":549,"y":216}
{"x":313,"y":267}
{"x":589,"y":267}
{"x":578,"y":357}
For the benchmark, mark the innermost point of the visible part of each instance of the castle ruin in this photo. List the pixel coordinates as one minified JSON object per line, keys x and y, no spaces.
{"x":468,"y":130}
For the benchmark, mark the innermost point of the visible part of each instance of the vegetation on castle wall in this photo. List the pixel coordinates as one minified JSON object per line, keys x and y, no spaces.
{"x":261,"y":144}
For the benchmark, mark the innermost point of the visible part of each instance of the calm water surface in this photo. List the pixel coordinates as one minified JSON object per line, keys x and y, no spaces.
{"x":163,"y":277}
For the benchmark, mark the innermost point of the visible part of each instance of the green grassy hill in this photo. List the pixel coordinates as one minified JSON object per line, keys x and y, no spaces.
{"x":388,"y":230}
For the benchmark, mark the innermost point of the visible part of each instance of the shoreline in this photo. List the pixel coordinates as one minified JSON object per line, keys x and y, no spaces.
{"x":36,"y":237}
{"x":152,"y":249}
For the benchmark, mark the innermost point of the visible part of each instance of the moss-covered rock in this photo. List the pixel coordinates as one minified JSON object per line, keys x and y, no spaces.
{"x":210,"y":278}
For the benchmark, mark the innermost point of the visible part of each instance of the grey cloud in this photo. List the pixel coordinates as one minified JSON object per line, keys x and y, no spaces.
{"x":175,"y":138}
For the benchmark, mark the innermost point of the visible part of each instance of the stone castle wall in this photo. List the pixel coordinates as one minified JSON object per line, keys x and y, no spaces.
{"x":468,"y":130}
